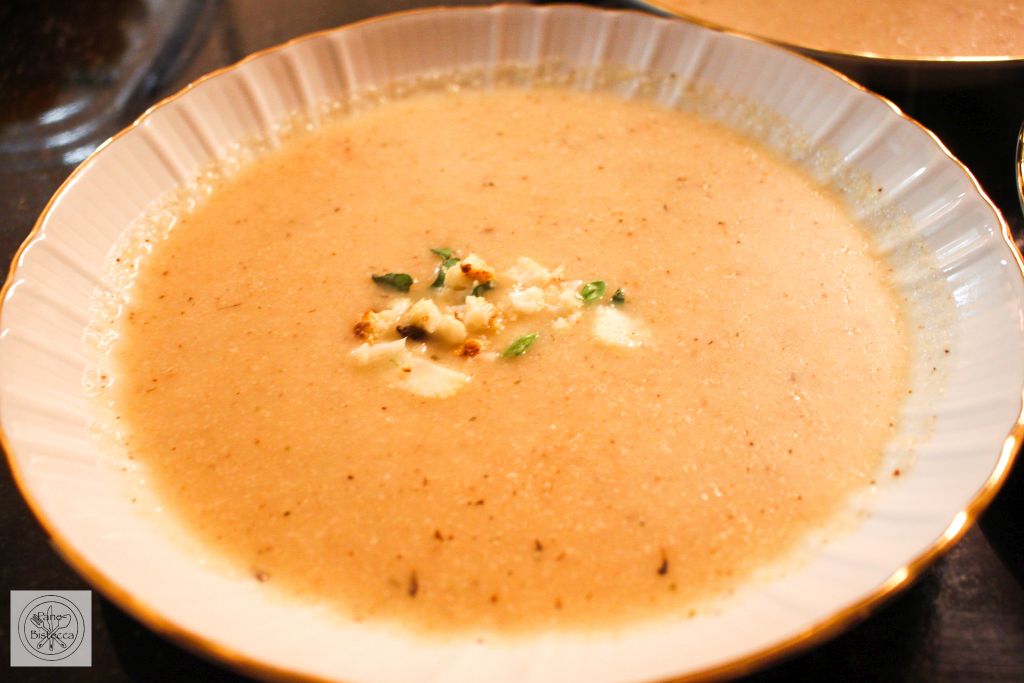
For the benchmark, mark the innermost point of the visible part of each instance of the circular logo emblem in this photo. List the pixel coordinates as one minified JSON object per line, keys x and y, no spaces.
{"x":51,"y":627}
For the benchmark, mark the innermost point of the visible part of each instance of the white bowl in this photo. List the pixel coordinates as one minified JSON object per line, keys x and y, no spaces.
{"x":45,"y":412}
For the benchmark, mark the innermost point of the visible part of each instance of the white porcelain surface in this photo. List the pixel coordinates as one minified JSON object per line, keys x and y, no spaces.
{"x":45,"y":413}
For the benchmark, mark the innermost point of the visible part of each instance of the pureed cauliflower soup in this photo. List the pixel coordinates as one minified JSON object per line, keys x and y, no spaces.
{"x":507,"y":360}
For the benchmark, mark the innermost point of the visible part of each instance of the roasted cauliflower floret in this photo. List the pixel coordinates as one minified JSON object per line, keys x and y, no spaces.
{"x":467,"y":271}
{"x":375,"y":325}
{"x":470,"y":348}
{"x":450,"y":330}
{"x":421,"y":319}
{"x":478,"y":314}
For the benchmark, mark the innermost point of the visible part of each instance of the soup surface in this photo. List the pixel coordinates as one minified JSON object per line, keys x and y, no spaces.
{"x":753,"y":371}
{"x":911,"y":28}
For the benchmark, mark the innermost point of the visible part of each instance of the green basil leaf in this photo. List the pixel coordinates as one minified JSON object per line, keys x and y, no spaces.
{"x":619,"y":297}
{"x":400,"y":281}
{"x":592,"y":291}
{"x":519,"y":346}
{"x":447,"y":261}
{"x":483,"y":287}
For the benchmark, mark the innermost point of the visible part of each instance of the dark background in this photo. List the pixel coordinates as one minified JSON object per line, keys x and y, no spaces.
{"x":92,"y":67}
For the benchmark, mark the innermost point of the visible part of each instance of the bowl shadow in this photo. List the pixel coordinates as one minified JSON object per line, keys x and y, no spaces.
{"x":145,"y":656}
{"x":1003,"y":523}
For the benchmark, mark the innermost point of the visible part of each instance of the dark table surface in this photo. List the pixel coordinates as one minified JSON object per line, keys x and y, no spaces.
{"x":962,"y":620}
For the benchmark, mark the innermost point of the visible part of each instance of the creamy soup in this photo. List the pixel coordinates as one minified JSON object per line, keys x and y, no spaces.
{"x":656,"y":357}
{"x":910,"y":28}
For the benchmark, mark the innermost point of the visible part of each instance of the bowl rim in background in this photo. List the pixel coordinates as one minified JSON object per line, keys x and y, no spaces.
{"x":667,"y":8}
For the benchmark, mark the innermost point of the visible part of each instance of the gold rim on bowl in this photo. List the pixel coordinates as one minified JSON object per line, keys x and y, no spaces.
{"x":1019,"y":167}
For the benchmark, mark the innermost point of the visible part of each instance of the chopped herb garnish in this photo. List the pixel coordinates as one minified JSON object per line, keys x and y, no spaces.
{"x":448,"y":259}
{"x":619,"y":297}
{"x":519,"y":346}
{"x":483,"y":287}
{"x":592,"y":291}
{"x":400,"y":281}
